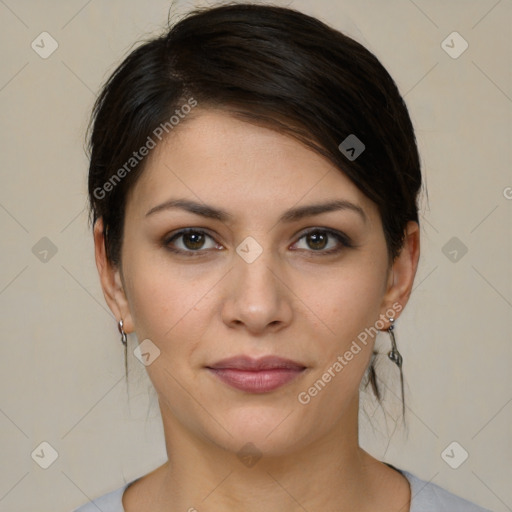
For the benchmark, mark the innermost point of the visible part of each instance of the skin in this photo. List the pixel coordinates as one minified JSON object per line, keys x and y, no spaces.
{"x":292,"y":301}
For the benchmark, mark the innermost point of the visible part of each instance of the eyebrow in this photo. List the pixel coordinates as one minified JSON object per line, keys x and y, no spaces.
{"x":290,"y":215}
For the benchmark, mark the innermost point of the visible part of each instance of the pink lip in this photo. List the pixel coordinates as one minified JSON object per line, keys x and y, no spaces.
{"x":256,"y":375}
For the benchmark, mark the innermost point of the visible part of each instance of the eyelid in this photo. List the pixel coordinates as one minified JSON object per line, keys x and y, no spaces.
{"x":333,"y":232}
{"x":175,"y":235}
{"x":341,"y":237}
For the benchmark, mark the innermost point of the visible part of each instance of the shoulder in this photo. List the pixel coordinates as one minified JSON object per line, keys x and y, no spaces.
{"x":429,"y":497}
{"x":425,"y":497}
{"x":109,"y":502}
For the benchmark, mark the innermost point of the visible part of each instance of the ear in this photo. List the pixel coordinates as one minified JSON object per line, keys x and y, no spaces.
{"x":111,"y":282}
{"x":402,"y":272}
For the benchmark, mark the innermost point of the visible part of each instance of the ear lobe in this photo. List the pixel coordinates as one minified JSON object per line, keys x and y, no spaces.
{"x":110,"y":279}
{"x":403,"y":270}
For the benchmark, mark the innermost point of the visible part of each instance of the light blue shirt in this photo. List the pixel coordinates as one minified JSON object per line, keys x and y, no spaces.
{"x":425,"y":497}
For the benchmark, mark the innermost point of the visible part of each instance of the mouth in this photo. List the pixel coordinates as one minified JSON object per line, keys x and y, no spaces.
{"x":256,"y":375}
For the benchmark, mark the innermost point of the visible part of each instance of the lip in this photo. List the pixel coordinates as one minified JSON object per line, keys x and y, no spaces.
{"x":256,"y":375}
{"x":243,"y":362}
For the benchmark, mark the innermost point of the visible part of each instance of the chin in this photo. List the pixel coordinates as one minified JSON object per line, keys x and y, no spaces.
{"x":271,"y":432}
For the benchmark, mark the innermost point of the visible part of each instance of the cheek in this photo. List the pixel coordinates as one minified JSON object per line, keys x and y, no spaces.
{"x":350,"y":309}
{"x":171,"y":312}
{"x":346,"y":302}
{"x":166,"y":304}
{"x":347,"y":307}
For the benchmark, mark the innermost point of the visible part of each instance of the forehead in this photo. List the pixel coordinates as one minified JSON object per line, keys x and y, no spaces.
{"x":217,"y":158}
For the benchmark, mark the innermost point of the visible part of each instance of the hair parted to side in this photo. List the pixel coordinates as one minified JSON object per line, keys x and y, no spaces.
{"x":269,"y":65}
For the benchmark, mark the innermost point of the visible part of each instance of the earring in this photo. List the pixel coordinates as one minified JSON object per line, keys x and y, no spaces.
{"x":393,"y":354}
{"x":124,"y":339}
{"x":396,"y":357}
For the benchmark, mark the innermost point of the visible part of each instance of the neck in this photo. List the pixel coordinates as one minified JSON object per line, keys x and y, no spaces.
{"x":329,"y":473}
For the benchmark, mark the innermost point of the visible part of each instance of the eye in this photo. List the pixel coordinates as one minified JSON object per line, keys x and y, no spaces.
{"x":192,"y":241}
{"x":317,"y":240}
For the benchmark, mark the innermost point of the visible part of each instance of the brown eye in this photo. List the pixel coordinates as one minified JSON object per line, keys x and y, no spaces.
{"x":317,"y":240}
{"x":324,"y":241}
{"x":193,"y":240}
{"x":190,"y":241}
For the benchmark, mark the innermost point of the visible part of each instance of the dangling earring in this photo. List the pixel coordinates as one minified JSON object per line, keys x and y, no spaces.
{"x":396,"y":357}
{"x":124,"y":339}
{"x":393,"y":354}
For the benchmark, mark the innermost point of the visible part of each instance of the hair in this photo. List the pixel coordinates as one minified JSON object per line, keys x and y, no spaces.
{"x":269,"y":65}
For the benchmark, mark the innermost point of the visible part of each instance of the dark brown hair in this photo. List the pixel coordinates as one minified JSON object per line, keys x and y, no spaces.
{"x":269,"y":65}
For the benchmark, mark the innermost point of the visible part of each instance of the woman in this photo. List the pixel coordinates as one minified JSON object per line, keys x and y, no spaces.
{"x":253,"y":187}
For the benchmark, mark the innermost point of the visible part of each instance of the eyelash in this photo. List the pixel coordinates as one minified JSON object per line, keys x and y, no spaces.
{"x":340,"y":237}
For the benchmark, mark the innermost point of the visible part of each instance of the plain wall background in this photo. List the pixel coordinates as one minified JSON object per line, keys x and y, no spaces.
{"x":62,"y":363}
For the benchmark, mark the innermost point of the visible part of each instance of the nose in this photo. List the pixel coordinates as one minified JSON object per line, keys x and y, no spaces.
{"x":258,"y":297}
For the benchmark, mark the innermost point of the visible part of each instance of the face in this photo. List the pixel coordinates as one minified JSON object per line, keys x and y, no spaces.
{"x":242,"y":268}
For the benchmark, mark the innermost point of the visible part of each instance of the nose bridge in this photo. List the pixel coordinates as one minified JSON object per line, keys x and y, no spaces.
{"x":255,"y":267}
{"x":258,"y":297}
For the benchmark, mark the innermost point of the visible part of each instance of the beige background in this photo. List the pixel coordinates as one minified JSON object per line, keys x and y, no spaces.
{"x":62,"y":362}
